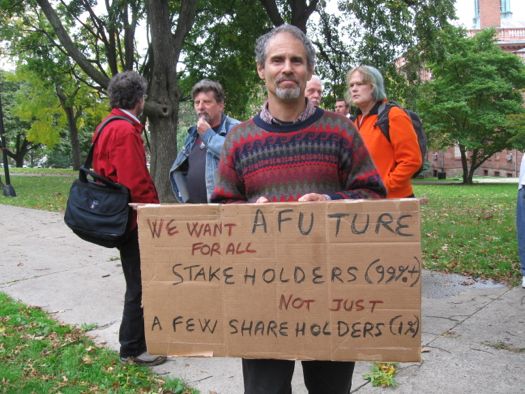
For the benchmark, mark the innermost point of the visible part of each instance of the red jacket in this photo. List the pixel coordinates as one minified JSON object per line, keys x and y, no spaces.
{"x":398,"y":160}
{"x":120,"y":156}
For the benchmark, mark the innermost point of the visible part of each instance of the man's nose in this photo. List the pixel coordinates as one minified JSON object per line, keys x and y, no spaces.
{"x":287,"y":66}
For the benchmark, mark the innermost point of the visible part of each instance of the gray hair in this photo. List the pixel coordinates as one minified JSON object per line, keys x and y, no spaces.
{"x":262,"y":43}
{"x":372,"y":76}
{"x":207,"y":85}
{"x":125,"y":89}
{"x":316,"y":78}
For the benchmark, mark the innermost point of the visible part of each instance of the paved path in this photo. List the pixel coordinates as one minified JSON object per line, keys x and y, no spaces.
{"x":473,"y":332}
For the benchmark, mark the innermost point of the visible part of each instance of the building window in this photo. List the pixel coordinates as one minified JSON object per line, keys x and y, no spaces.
{"x":496,"y":173}
{"x":475,"y":20}
{"x":486,"y":172}
{"x":505,"y":8}
{"x":509,"y":174}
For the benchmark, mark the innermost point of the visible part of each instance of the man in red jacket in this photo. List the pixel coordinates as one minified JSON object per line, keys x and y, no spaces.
{"x":120,"y":156}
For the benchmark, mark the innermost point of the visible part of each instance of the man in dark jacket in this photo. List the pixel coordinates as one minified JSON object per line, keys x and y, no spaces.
{"x":120,"y":156}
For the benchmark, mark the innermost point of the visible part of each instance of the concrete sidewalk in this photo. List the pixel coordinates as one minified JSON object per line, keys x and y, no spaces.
{"x":473,"y":332}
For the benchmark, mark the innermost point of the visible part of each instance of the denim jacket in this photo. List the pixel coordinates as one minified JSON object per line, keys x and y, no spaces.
{"x":213,"y":142}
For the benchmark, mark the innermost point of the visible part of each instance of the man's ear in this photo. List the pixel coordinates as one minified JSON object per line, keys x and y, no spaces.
{"x":260,"y":71}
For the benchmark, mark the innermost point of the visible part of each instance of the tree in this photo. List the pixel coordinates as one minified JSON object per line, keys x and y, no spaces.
{"x":112,"y":46}
{"x":221,"y":47}
{"x":50,"y":83}
{"x":383,"y":34}
{"x":474,"y":98}
{"x":15,"y":137}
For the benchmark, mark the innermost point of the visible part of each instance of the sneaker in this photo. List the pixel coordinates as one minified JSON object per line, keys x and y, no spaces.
{"x":523,"y":282}
{"x":144,"y":359}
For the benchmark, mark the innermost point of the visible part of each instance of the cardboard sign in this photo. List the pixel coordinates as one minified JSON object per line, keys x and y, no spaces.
{"x":324,"y":281}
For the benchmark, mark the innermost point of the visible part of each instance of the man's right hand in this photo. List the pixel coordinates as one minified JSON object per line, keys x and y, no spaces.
{"x":202,"y":125}
{"x":262,"y":200}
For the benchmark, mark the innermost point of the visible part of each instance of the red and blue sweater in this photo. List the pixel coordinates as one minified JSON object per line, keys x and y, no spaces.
{"x":323,"y":154}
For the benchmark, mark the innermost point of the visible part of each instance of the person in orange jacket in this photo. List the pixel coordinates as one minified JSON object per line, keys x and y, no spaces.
{"x":400,"y":158}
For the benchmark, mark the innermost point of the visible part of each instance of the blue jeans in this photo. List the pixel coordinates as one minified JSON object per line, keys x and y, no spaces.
{"x":520,"y":226}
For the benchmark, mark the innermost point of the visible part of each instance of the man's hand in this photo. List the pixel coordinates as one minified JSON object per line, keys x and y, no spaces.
{"x":313,"y":197}
{"x":262,"y":200}
{"x":202,"y":125}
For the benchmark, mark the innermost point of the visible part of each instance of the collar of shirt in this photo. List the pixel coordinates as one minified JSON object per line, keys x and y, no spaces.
{"x":267,"y":117}
{"x":130,"y":115}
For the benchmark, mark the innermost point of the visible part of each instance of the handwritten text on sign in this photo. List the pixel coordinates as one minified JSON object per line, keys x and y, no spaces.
{"x":338,"y":280}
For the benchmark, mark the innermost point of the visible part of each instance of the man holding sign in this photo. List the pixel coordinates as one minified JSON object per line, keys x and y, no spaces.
{"x":293,"y":151}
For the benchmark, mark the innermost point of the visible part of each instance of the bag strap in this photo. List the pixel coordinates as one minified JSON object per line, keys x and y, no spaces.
{"x":89,"y":158}
{"x":383,"y":121}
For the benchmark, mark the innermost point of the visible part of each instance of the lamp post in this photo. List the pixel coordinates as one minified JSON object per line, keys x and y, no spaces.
{"x":8,"y":189}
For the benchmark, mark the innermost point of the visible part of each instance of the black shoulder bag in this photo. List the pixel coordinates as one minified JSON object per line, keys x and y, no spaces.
{"x":97,"y":209}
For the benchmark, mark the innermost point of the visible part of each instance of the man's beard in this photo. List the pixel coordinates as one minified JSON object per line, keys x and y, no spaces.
{"x":288,"y":93}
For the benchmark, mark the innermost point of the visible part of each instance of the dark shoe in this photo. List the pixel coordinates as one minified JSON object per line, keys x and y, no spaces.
{"x":144,"y":359}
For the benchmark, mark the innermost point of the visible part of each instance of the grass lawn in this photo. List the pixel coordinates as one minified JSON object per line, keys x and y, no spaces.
{"x":470,"y":230}
{"x":40,"y":355}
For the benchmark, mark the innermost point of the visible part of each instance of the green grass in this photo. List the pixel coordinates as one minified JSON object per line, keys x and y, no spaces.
{"x":470,"y":230}
{"x":40,"y":355}
{"x":39,"y":188}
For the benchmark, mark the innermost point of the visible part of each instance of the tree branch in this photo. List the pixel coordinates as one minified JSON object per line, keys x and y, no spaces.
{"x":273,"y":12}
{"x":68,"y":44}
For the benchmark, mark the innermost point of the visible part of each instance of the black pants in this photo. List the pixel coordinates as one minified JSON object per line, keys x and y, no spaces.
{"x":275,"y":376}
{"x":131,"y":333}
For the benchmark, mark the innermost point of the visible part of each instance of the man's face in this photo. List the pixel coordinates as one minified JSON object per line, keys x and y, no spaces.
{"x":285,"y":70}
{"x":314,"y":91}
{"x":207,"y":106}
{"x":341,"y":108}
{"x":361,"y":93}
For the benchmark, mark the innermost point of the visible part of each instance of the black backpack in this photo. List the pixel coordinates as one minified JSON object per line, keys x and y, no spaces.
{"x":383,"y":123}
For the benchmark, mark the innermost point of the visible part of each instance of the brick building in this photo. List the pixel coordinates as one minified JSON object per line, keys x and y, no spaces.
{"x":508,"y":18}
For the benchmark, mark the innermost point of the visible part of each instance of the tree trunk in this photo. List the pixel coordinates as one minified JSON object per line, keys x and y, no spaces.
{"x":162,"y":108}
{"x":73,"y":138}
{"x":72,"y":128}
{"x":299,"y":9}
{"x":464,"y":165}
{"x":70,"y":46}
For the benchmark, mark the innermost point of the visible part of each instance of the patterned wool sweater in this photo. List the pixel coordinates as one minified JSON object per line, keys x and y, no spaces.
{"x":323,"y":154}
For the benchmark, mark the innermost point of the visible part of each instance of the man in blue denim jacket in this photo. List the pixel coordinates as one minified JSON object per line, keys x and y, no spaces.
{"x":192,"y":174}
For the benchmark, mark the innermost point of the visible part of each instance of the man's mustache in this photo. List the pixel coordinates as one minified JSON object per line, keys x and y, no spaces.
{"x":204,"y":115}
{"x":282,"y":79}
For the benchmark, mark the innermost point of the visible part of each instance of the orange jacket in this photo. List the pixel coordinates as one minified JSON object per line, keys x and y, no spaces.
{"x":398,"y":160}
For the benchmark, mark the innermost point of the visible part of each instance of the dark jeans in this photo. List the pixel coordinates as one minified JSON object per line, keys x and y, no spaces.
{"x":275,"y":376}
{"x":131,"y":333}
